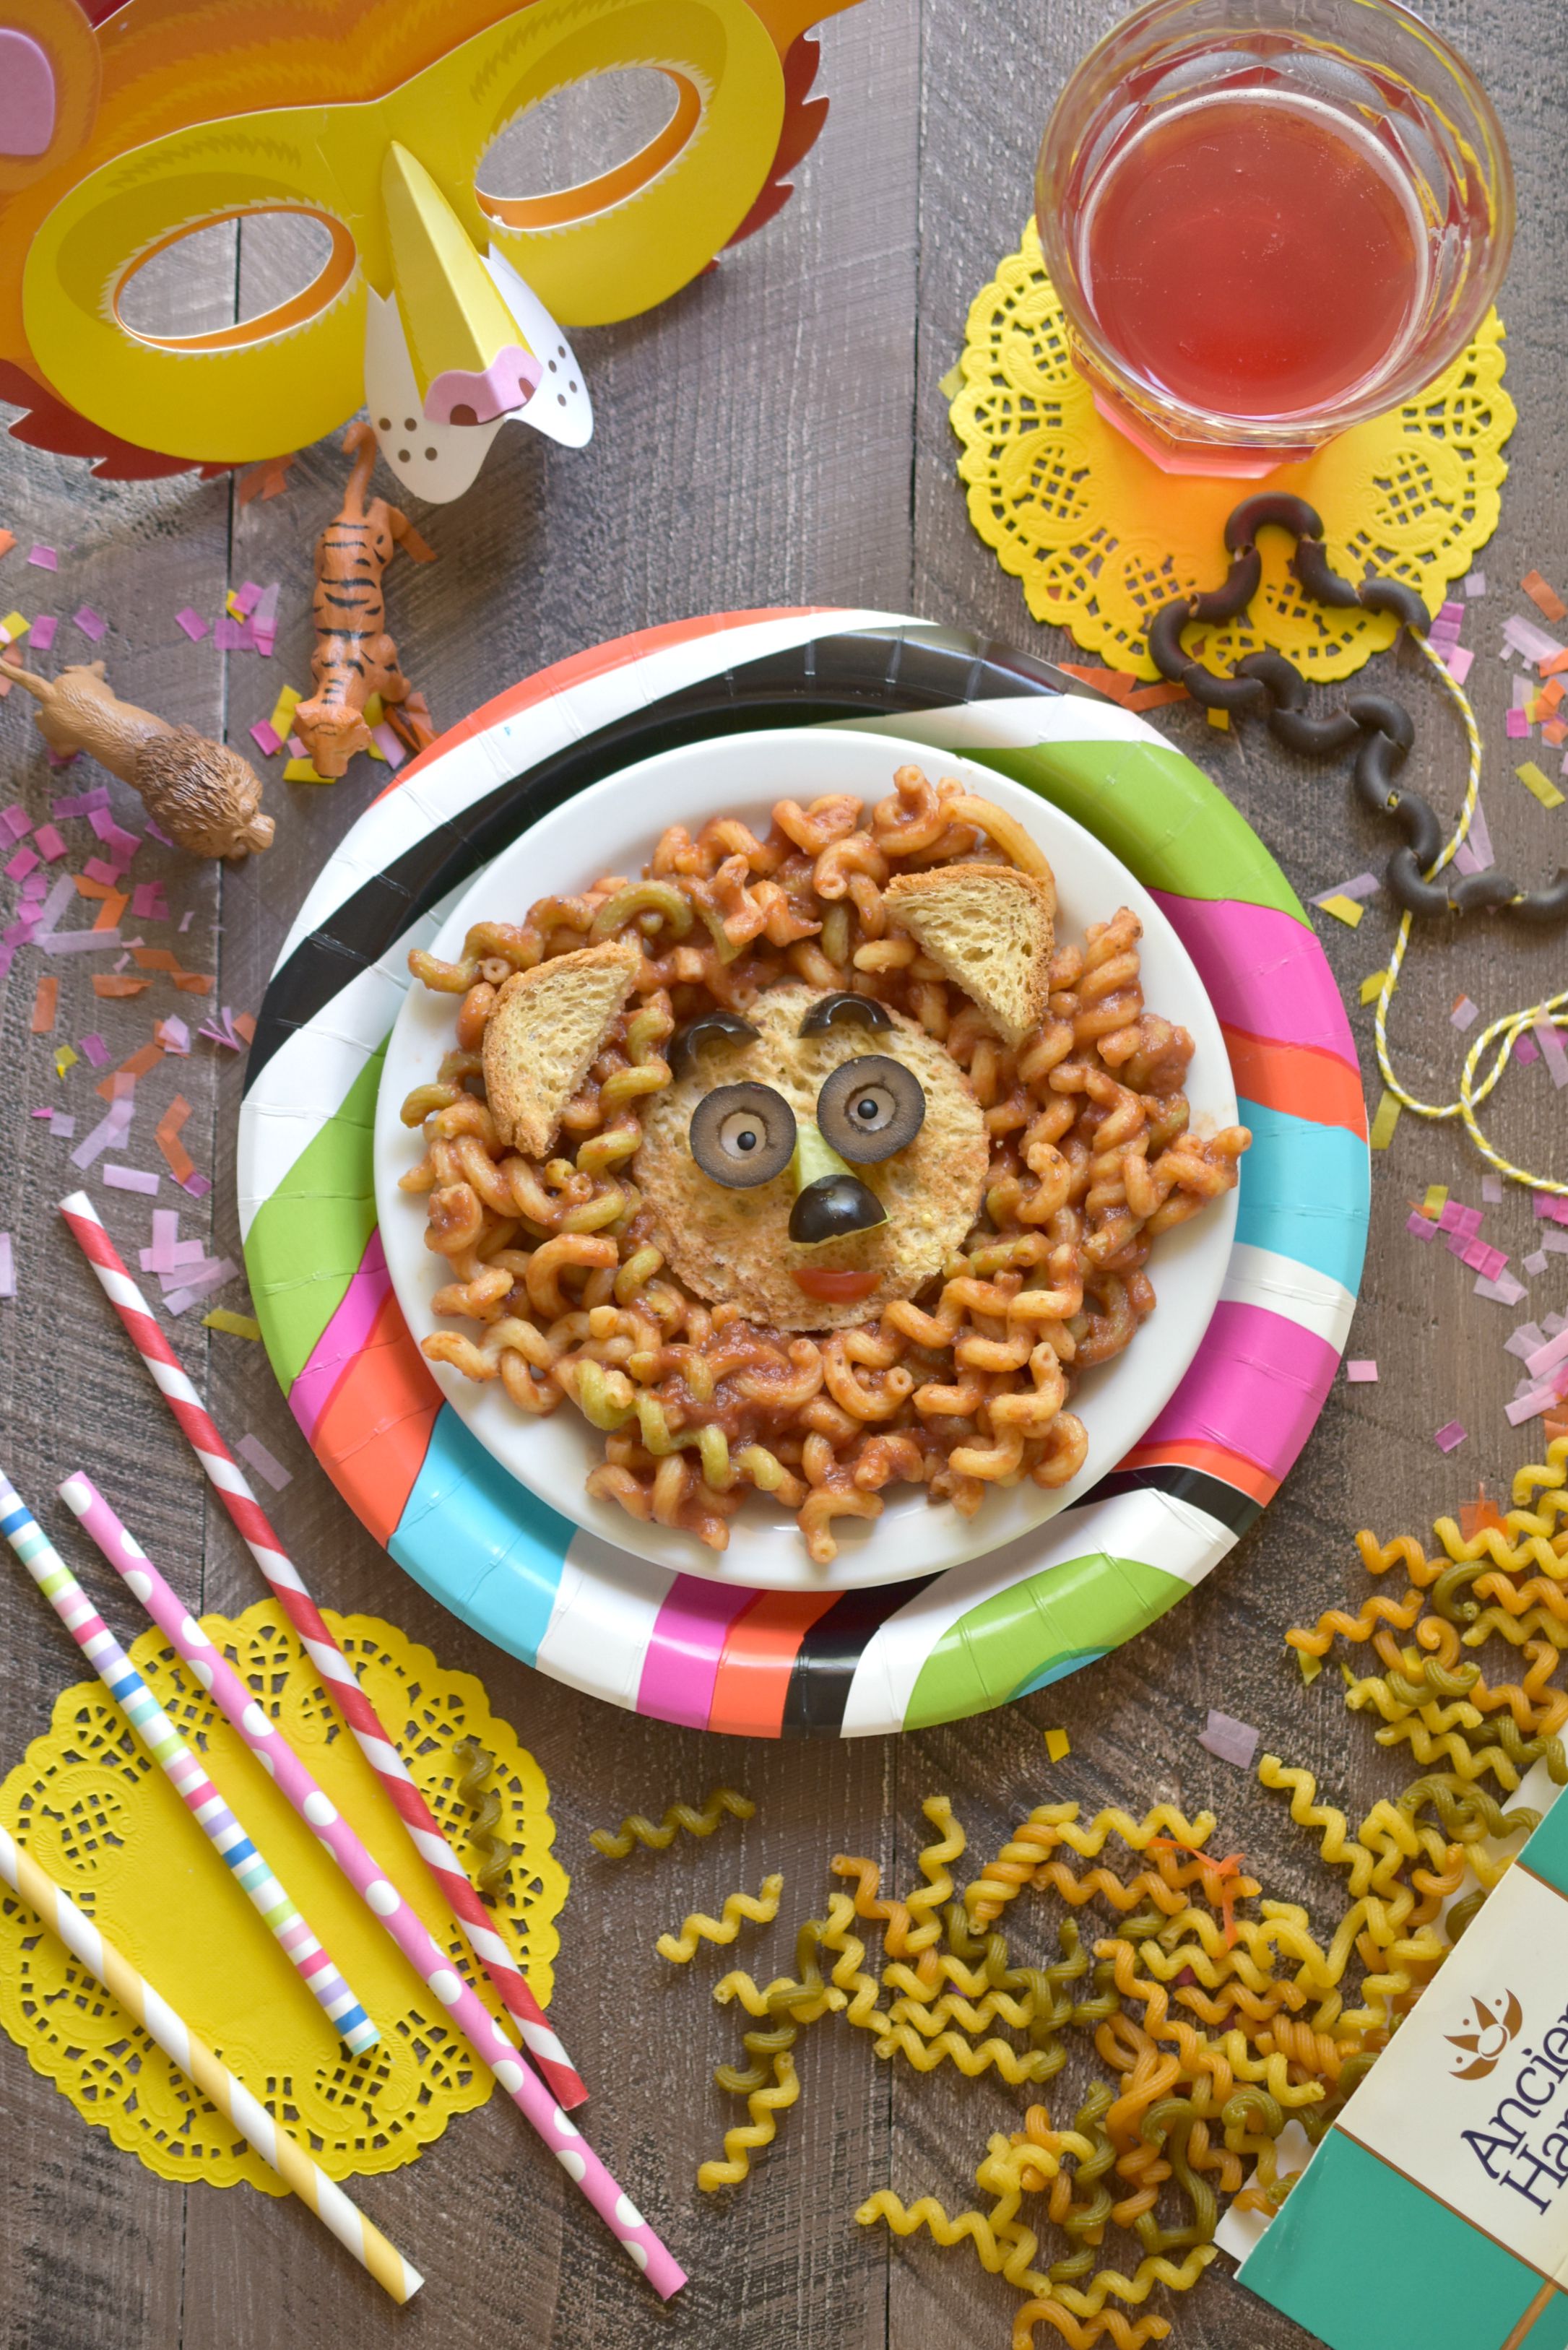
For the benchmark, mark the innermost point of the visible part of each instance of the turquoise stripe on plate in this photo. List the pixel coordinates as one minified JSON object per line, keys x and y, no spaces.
{"x":1305,"y":1191}
{"x":481,"y":1543}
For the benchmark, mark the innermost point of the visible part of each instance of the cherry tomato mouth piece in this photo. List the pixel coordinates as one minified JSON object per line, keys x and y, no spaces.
{"x":835,"y":1288}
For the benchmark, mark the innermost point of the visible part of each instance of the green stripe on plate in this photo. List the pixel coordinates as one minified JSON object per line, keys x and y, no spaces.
{"x":1092,"y":1603}
{"x":309,"y":1238}
{"x":1154,"y":810}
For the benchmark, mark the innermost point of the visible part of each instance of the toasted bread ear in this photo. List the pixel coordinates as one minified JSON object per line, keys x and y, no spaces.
{"x":547,"y":1026}
{"x":991,"y":929}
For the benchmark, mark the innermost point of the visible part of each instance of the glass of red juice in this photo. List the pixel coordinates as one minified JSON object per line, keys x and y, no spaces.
{"x":1269,"y":220}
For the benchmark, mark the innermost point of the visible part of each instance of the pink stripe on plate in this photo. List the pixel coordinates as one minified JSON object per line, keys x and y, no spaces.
{"x":1257,"y":1385}
{"x":1264,"y":972}
{"x":344,"y":1338}
{"x":681,"y":1666}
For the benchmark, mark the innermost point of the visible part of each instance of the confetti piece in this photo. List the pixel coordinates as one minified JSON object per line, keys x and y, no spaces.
{"x":13,"y":626}
{"x":1465,"y":1013}
{"x":192,"y":623}
{"x":130,"y":1179}
{"x":7,"y":541}
{"x":1544,"y":596}
{"x":1503,"y":1291}
{"x":64,"y":1059}
{"x":1476,"y":584}
{"x":145,"y":1057}
{"x":209,"y":1276}
{"x":1492,"y":1191}
{"x":1516,"y":726}
{"x":148,"y":903}
{"x":1459,"y":660}
{"x":1532,"y":1401}
{"x":91,"y":624}
{"x":44,"y":629}
{"x":1219,"y":719}
{"x":167,"y":1136}
{"x":1544,"y":789}
{"x":1547,"y":1356}
{"x":283,"y":711}
{"x":391,"y":749}
{"x":1525,"y":1050}
{"x":245,"y":1325}
{"x":1449,"y":1437}
{"x":115,"y":985}
{"x":302,"y":770}
{"x":1436,"y":1201}
{"x":267,"y":738}
{"x":251,"y":1447}
{"x":44,"y":558}
{"x":1362,"y":1373}
{"x":1372,"y":986}
{"x":106,"y":1135}
{"x":1422,"y":1226}
{"x":173,"y":1034}
{"x":7,"y":1267}
{"x":1551,"y":1050}
{"x":1385,"y":1122}
{"x":1232,"y":1740}
{"x":1536,"y":1262}
{"x":45,"y":1003}
{"x":1058,"y":1745}
{"x":1343,"y":910}
{"x":95,"y":1050}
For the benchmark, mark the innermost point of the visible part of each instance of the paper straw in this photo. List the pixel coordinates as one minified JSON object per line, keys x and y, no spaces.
{"x":164,"y":1745}
{"x":229,"y":1480}
{"x":377,"y":1892}
{"x":211,"y":2076}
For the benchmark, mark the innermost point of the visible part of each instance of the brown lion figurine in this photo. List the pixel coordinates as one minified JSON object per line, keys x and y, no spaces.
{"x":203,"y":796}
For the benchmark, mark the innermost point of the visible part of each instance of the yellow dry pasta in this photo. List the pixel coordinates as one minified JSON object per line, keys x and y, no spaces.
{"x":759,"y":1910}
{"x":743,"y":2141}
{"x":635,"y":1830}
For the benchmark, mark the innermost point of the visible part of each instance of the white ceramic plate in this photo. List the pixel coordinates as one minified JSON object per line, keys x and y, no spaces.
{"x":612,"y":827}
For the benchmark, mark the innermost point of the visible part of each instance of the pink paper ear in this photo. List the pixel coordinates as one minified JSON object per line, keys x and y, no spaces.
{"x":27,"y":95}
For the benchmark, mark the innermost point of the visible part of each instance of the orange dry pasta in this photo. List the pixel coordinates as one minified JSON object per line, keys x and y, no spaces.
{"x":560,"y":1291}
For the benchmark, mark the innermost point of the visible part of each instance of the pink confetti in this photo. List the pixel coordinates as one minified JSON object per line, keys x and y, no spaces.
{"x":114,"y":838}
{"x":1504,"y":1290}
{"x":1549,"y":1038}
{"x":1364,"y":885}
{"x":106,"y":1135}
{"x":1475,"y":584}
{"x":77,"y":942}
{"x":1465,"y":1013}
{"x":1492,"y":1191}
{"x":49,"y":842}
{"x":197,"y":1184}
{"x":186,"y":918}
{"x":21,"y":865}
{"x":1363,"y":1373}
{"x":14,"y":821}
{"x":387,"y":743}
{"x":230,"y":635}
{"x":62,"y":1126}
{"x":1449,"y":1216}
{"x":1232,"y":1740}
{"x":1478,"y":1256}
{"x":246,"y":598}
{"x":252,"y":1449}
{"x":130,"y":1178}
{"x":268,"y":739}
{"x":1525,"y":1050}
{"x":96,"y":1050}
{"x":1422,"y":1226}
{"x":208,"y":1277}
{"x":1547,"y":1356}
{"x":1459,"y":660}
{"x":91,"y":624}
{"x":1516,"y":726}
{"x":173,"y":1034}
{"x":192,"y":623}
{"x":7,"y":1267}
{"x":1536,"y":1262}
{"x":147,"y":902}
{"x":1449,"y":1439}
{"x":297,"y":749}
{"x":1548,"y":1204}
{"x":96,"y":869}
{"x":44,"y":629}
{"x":159,"y":1257}
{"x":44,"y":558}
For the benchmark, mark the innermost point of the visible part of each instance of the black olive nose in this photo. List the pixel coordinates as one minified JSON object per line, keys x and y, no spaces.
{"x":832,"y":1206}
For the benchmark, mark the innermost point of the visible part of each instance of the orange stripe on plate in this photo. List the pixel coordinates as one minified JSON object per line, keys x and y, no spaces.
{"x":759,"y":1655}
{"x":595,"y":662}
{"x":1296,"y":1078}
{"x":373,"y":1434}
{"x":1214,"y":1460}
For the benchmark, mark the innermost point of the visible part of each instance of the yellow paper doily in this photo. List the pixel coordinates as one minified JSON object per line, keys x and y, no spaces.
{"x":1100,"y":538}
{"x":107,"y":1824}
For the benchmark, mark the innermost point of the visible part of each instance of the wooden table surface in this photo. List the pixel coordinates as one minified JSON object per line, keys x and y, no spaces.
{"x":774,"y":434}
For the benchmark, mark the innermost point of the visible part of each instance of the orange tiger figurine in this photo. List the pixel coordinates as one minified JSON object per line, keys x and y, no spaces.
{"x":354,"y":656}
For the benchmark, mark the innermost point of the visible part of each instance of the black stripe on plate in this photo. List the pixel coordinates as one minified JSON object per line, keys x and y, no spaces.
{"x":1227,"y":1504}
{"x":854,"y":673}
{"x":825,"y":1663}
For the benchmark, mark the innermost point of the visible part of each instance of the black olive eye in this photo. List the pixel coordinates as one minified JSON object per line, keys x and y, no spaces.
{"x":742,"y":1134}
{"x":871,"y":1107}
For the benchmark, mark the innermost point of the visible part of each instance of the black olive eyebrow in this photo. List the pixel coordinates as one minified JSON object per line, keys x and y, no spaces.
{"x":684,"y":1043}
{"x":857,"y":1010}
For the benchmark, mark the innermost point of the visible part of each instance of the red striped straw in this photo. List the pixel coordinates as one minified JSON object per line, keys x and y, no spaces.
{"x":230,"y":1482}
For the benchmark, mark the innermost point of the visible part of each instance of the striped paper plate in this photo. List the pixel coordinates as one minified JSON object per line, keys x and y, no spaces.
{"x":675,"y":1646}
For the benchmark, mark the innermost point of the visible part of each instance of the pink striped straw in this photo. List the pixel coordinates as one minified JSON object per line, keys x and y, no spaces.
{"x":380,"y":1895}
{"x":338,"y":1677}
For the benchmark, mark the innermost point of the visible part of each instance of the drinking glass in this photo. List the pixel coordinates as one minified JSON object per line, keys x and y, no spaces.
{"x":1268,"y":220}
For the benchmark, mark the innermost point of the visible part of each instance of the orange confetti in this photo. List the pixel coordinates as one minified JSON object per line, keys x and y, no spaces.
{"x":1477,"y":1516}
{"x":1553,"y":663}
{"x":1551,"y":695}
{"x":1555,"y":732}
{"x":194,"y":982}
{"x":108,"y":913}
{"x":155,"y":959}
{"x":88,"y":887}
{"x":167,"y":1136}
{"x":46,"y":1003}
{"x":1544,"y":596}
{"x":118,"y":982}
{"x":7,"y":541}
{"x":1155,"y":697}
{"x":147,"y":1057}
{"x":247,"y":1026}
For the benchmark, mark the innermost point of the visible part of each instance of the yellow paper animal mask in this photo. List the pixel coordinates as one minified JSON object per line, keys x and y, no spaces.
{"x":371,"y":115}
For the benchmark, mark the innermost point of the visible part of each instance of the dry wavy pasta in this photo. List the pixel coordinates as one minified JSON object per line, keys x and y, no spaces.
{"x":555,"y":1269}
{"x":634,"y":1830}
{"x":741,"y":2141}
{"x":759,"y":1910}
{"x":475,"y":1763}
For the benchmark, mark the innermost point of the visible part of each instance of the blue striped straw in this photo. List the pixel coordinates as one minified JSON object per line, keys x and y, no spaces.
{"x":164,"y":1745}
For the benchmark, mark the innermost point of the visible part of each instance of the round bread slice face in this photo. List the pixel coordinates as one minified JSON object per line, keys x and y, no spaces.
{"x":734,"y":1246}
{"x":546,"y":1030}
{"x":991,"y":929}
